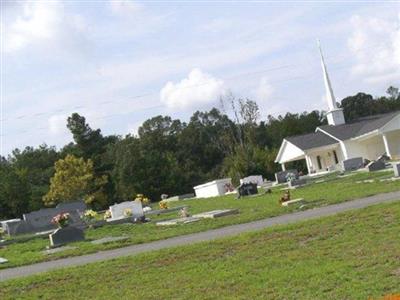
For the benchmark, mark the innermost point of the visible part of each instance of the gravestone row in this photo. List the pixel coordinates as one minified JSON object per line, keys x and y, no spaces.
{"x":40,"y":220}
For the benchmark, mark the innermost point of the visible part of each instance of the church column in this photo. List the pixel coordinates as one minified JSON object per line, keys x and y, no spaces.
{"x":308,"y":162}
{"x":283,"y":166}
{"x":386,"y":143}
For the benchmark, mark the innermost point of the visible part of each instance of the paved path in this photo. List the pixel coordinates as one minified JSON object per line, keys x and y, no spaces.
{"x":198,"y":237}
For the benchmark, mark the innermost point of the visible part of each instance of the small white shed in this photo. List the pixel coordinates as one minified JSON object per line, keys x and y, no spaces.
{"x":213,"y":188}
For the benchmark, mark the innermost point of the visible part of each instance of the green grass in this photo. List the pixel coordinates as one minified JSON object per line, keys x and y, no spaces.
{"x":252,"y":208}
{"x":353,"y":255}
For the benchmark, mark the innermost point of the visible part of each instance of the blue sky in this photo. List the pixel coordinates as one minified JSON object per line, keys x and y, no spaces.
{"x":121,"y":62}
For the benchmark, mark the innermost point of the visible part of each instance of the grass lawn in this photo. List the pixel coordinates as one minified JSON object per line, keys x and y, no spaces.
{"x":334,"y":190}
{"x":353,"y":255}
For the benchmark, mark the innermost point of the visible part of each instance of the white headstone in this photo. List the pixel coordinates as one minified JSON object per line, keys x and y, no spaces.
{"x":396,"y":168}
{"x":257,"y":179}
{"x":117,"y":210}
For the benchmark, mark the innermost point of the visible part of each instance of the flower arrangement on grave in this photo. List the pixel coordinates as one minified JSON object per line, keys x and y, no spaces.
{"x":107,"y":215}
{"x":89,"y":216}
{"x":128,"y":212}
{"x":61,"y":220}
{"x":285,"y":197}
{"x":184,"y":213}
{"x":163,"y":204}
{"x":142,"y":198}
{"x":290,"y":177}
{"x":229,"y":187}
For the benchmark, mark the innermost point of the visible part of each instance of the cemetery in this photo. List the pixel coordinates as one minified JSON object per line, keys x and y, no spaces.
{"x":133,"y":222}
{"x":324,"y":251}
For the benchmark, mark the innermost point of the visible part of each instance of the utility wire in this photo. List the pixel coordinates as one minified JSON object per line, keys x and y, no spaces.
{"x":245,"y":74}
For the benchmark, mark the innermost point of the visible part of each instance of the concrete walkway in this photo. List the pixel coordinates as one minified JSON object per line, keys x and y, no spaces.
{"x":198,"y":237}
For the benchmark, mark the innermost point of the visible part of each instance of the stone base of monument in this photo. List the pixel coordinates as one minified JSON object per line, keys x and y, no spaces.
{"x":297,"y":183}
{"x":216,"y":213}
{"x":125,"y":220}
{"x":62,"y":236}
{"x":164,"y":211}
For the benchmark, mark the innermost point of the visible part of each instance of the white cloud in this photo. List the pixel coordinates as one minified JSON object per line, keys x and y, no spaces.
{"x":125,"y":7}
{"x":217,"y":25}
{"x":198,"y":90}
{"x":264,"y":90}
{"x":375,"y":43}
{"x":44,"y":24}
{"x":57,"y":124}
{"x":37,"y":21}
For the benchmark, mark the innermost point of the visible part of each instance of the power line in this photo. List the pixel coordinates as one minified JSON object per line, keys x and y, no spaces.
{"x":159,"y":106}
{"x":246,"y":74}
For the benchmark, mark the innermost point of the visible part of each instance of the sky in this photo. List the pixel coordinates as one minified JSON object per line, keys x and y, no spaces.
{"x":121,"y":62}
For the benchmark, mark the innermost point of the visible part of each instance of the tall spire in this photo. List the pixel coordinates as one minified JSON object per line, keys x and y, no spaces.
{"x":335,"y":115}
{"x":330,"y":97}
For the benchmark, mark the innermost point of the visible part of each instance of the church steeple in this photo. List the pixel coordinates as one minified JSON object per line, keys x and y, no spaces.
{"x":335,"y":115}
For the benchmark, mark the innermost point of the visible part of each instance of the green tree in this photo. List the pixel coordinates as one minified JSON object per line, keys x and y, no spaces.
{"x":74,"y":179}
{"x":38,"y":166}
{"x":14,"y":191}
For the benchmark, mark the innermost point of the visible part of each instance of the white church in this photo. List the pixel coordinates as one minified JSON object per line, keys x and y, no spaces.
{"x":326,"y":148}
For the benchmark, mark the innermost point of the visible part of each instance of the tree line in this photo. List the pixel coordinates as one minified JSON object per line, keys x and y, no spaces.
{"x":167,"y":156}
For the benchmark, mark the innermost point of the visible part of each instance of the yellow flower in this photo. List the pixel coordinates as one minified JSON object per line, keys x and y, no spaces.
{"x":107,"y":215}
{"x":163,"y":205}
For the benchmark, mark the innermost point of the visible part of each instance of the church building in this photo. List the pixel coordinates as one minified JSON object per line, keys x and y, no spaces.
{"x":327,"y":147}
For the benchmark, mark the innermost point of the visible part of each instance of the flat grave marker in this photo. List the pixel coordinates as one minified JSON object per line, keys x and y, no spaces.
{"x":3,"y":260}
{"x":216,"y":213}
{"x":109,"y":239}
{"x":294,"y":201}
{"x":59,"y":249}
{"x":178,"y":221}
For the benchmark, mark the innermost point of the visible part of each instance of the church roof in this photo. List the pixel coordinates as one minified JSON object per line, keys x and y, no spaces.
{"x":360,"y":127}
{"x":311,"y":140}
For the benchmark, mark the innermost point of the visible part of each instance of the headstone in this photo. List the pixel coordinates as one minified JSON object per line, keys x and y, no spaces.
{"x":180,"y":197}
{"x":41,"y":219}
{"x":109,"y":239}
{"x":297,"y":182}
{"x":117,"y":210}
{"x":257,"y":179}
{"x":281,"y":176}
{"x":19,"y":227}
{"x":178,"y":221}
{"x":66,"y":235}
{"x":376,"y":165}
{"x":396,"y":169}
{"x":352,"y":164}
{"x":247,"y":189}
{"x":3,"y":224}
{"x":59,"y":249}
{"x":216,"y":213}
{"x":3,"y":260}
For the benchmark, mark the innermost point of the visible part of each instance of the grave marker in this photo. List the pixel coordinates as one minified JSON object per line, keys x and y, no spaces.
{"x":66,"y":235}
{"x":117,"y":210}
